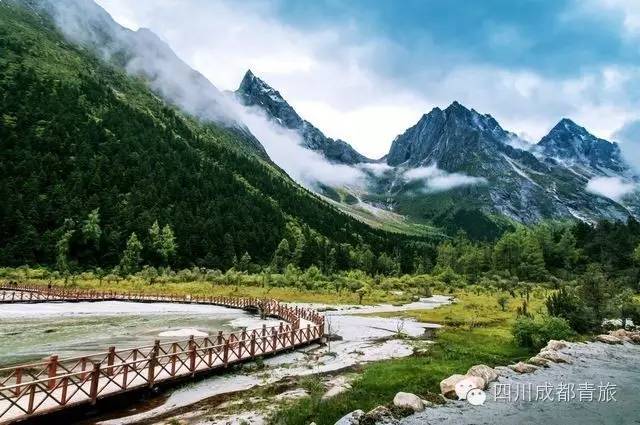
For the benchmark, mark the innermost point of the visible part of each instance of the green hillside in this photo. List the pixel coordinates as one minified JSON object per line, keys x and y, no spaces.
{"x":78,"y":135}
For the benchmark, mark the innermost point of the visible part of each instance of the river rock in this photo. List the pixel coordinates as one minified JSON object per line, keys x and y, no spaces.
{"x":467,"y":384}
{"x":555,"y":345}
{"x":380,"y":415}
{"x":608,"y":339}
{"x":521,"y":367}
{"x":635,"y":338}
{"x":484,"y":372}
{"x":448,"y":386}
{"x":409,"y":400}
{"x":539,"y":361}
{"x":352,"y":418}
{"x":622,"y":334}
{"x":554,"y":356}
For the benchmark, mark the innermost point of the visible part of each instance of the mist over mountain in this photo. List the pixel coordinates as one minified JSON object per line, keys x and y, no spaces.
{"x":454,"y":161}
{"x":455,"y":168}
{"x":255,"y":92}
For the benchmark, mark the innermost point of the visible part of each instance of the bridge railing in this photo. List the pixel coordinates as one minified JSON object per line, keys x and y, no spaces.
{"x":50,"y":385}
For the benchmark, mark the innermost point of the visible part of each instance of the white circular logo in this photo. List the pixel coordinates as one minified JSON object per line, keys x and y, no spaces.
{"x":476,"y":396}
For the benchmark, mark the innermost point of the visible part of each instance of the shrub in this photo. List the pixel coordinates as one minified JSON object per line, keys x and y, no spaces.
{"x":569,"y":306}
{"x":534,"y":333}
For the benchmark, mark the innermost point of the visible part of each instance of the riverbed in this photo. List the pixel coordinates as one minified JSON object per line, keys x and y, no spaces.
{"x":32,"y":331}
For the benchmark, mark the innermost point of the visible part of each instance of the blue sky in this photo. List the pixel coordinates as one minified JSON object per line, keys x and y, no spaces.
{"x":365,"y":70}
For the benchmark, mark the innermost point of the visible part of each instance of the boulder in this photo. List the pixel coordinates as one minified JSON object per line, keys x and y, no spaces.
{"x":621,"y":334}
{"x":380,"y":415}
{"x":484,"y":372}
{"x":554,"y":356}
{"x":635,"y":338}
{"x":352,"y":418}
{"x":521,"y":367}
{"x":408,"y":400}
{"x":467,"y":384}
{"x":539,"y":361}
{"x":608,"y":339}
{"x":555,"y":345}
{"x":448,"y":386}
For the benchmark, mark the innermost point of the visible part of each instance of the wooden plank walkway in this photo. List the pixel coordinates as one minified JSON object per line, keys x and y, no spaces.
{"x":40,"y":388}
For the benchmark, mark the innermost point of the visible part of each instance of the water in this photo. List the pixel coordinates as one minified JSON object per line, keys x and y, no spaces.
{"x":593,"y":363}
{"x":30,"y":332}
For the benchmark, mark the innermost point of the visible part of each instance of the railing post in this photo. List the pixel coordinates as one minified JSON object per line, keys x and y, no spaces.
{"x":110,"y":360}
{"x":153,"y":360}
{"x":252,"y":346}
{"x":95,"y":379}
{"x":225,"y":353}
{"x":192,"y":355}
{"x":52,"y":369}
{"x":18,"y":374}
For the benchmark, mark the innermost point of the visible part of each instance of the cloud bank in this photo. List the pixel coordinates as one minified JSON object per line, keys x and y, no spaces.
{"x":363,"y":82}
{"x":629,"y":138}
{"x":437,"y":180}
{"x":610,"y":187}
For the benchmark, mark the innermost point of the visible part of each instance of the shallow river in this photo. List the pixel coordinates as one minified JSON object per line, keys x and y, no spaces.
{"x":32,"y":331}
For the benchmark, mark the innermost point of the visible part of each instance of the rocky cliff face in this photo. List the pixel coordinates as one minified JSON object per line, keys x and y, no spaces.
{"x":526,"y":185}
{"x":573,"y":144}
{"x":255,"y":92}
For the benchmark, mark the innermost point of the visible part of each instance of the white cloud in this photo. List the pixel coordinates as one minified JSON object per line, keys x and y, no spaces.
{"x":629,"y":137}
{"x":437,"y":180}
{"x":285,"y":148}
{"x":610,"y":187}
{"x":336,"y":80}
{"x":628,"y":10}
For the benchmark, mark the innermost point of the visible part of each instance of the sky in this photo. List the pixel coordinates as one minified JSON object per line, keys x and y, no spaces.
{"x":365,"y":70}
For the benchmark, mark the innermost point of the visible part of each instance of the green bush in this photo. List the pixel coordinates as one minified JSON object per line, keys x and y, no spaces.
{"x":566,"y":304}
{"x":534,"y":333}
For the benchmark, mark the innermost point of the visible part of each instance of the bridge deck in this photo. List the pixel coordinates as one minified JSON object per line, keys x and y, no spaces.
{"x":44,"y":387}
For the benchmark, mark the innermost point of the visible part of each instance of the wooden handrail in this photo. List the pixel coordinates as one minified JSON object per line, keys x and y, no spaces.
{"x":114,"y":371}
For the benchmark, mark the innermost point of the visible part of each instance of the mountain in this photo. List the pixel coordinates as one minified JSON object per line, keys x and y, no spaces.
{"x":143,"y":54}
{"x":81,"y":132}
{"x":255,"y":92}
{"x":457,"y":168}
{"x":569,"y":142}
{"x":446,"y":137}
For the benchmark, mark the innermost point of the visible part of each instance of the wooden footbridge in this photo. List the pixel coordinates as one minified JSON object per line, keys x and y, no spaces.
{"x":31,"y":390}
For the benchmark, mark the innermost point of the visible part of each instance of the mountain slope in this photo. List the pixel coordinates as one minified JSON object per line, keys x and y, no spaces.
{"x":255,"y":92}
{"x":569,"y":142}
{"x":78,"y":135}
{"x":507,"y":181}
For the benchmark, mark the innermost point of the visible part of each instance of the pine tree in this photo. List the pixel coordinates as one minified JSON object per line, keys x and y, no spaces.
{"x":131,"y":258}
{"x":91,"y":230}
{"x":281,"y":256}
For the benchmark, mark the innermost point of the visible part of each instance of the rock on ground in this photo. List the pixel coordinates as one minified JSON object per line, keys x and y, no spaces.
{"x":484,"y":372}
{"x":408,"y":400}
{"x":380,"y":415}
{"x":448,"y":386}
{"x":608,"y":339}
{"x":352,"y":418}
{"x":555,"y":345}
{"x":554,"y":356}
{"x":467,"y":384}
{"x":539,"y":361}
{"x":521,"y":367}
